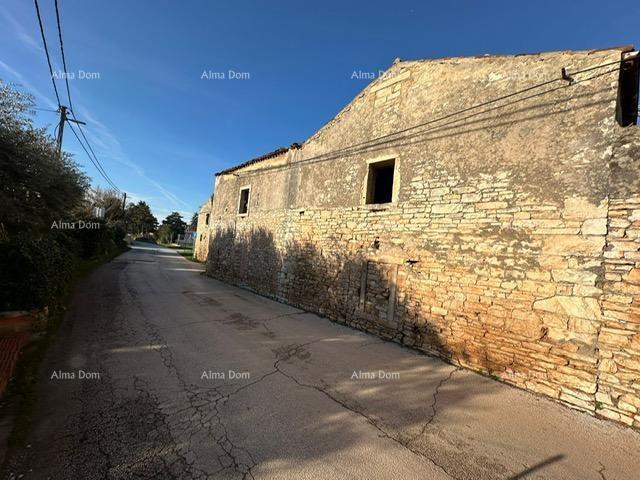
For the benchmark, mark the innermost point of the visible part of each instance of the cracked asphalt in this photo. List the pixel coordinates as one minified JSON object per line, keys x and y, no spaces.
{"x":199,"y":379}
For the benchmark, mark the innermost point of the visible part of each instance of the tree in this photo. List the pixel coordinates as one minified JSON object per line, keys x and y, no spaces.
{"x":108,"y":200}
{"x":194,"y":222}
{"x":37,"y":185}
{"x":40,"y":186}
{"x":139,"y":219}
{"x":175,"y":226}
{"x":165,"y":235}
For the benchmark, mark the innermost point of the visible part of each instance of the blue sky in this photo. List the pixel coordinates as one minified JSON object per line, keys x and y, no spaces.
{"x":161,"y":130}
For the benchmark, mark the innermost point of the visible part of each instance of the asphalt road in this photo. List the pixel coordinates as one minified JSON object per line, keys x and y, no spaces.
{"x":186,"y":377}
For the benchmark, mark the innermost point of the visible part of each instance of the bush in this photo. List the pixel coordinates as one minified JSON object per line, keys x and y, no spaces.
{"x":165,"y":234}
{"x":35,"y":272}
{"x":118,"y":237}
{"x":94,"y":241}
{"x":39,"y":187}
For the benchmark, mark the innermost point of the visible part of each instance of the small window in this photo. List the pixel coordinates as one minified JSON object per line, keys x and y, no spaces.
{"x":200,"y":237}
{"x":380,"y":182}
{"x":206,"y":219}
{"x":243,"y":207}
{"x":628,"y":80}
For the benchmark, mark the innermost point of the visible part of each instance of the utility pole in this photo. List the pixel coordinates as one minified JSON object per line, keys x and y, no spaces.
{"x":124,"y":202}
{"x":63,"y":119}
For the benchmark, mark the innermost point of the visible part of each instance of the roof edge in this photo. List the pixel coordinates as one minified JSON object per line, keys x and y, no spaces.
{"x":266,"y":156}
{"x":397,"y":61}
{"x":621,"y":48}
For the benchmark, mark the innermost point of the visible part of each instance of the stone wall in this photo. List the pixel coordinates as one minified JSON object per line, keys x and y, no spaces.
{"x":511,"y":244}
{"x":617,"y":396}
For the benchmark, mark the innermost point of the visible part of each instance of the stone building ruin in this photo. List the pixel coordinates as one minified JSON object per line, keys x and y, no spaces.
{"x":501,"y":235}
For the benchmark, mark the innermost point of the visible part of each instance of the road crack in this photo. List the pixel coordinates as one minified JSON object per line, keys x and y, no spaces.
{"x":434,"y":404}
{"x":601,"y":471}
{"x":368,"y":418}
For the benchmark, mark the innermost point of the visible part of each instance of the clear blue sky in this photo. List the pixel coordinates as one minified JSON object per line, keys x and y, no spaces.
{"x":161,"y":131}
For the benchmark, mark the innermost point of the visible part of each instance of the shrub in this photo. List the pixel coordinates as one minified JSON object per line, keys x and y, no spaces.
{"x":39,"y":186}
{"x":35,"y":272}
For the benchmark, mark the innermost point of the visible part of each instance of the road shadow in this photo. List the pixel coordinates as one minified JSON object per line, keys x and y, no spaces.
{"x":358,"y":291}
{"x":538,"y":466}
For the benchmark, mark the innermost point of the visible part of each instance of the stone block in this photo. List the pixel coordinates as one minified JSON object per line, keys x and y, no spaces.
{"x":471,"y":197}
{"x":604,"y":398}
{"x":491,"y":205}
{"x":626,"y":406}
{"x":594,"y":226}
{"x":630,"y":363}
{"x":438,"y":192}
{"x":529,"y":328}
{"x":580,"y":208}
{"x":446,"y":208}
{"x":633,"y":276}
{"x":575,"y":379}
{"x":633,"y":400}
{"x":574,"y":276}
{"x":586,"y":291}
{"x":581,"y":307}
{"x":568,"y":245}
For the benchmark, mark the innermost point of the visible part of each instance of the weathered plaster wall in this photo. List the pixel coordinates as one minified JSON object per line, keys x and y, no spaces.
{"x":511,"y":246}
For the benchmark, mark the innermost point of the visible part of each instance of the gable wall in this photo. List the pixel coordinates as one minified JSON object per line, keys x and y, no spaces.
{"x":512,"y":246}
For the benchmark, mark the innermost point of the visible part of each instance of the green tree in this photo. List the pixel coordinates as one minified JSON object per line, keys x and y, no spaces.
{"x":194,"y":222}
{"x":139,"y":219}
{"x":165,"y":235}
{"x":40,"y":186}
{"x":37,"y":185}
{"x":172,"y":226}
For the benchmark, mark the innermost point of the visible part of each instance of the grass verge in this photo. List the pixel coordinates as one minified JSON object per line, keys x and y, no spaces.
{"x":186,"y":252}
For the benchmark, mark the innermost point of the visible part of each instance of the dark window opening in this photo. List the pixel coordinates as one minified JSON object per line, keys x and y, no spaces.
{"x":380,"y":182}
{"x":206,"y":219}
{"x":243,"y":208}
{"x":627,"y":105}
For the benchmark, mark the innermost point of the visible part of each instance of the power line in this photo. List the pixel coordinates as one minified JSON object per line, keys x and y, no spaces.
{"x":449,"y":115}
{"x":102,"y":170}
{"x":479,"y":105}
{"x":64,"y":62}
{"x":46,"y":51}
{"x":455,"y":123}
{"x":382,"y":140}
{"x":588,"y":69}
{"x":94,"y":159}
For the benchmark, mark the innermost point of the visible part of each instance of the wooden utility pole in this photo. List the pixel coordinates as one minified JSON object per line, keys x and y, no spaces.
{"x":63,"y":119}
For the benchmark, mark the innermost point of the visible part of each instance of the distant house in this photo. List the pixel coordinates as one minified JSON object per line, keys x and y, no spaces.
{"x":484,"y":209}
{"x":187,"y":238}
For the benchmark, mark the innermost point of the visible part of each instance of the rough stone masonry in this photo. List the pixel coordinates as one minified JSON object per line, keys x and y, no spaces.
{"x":501,"y":236}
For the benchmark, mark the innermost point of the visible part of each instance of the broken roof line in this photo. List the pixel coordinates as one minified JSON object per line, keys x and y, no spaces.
{"x":266,"y":156}
{"x":296,"y":146}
